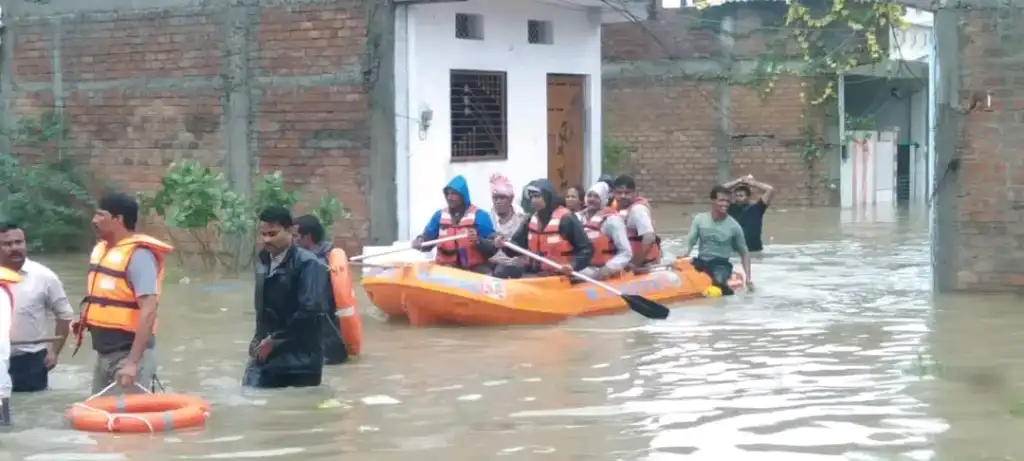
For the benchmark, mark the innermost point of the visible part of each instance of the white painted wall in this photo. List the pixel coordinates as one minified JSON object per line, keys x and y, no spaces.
{"x":919,"y":156}
{"x":426,"y":50}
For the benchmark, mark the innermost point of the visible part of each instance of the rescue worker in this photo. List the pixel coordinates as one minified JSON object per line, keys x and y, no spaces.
{"x":286,"y":349}
{"x":607,"y":233}
{"x":551,"y":231}
{"x":636,"y":212}
{"x":460,"y":217}
{"x":310,"y":235}
{"x":7,"y":278}
{"x":126,"y":270}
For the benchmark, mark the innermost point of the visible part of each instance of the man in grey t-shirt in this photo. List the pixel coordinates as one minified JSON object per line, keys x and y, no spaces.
{"x":719,"y":235}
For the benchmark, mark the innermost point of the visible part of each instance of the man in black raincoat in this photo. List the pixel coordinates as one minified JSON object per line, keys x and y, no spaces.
{"x":309,"y":234}
{"x":290,"y":284}
{"x":543,"y":202}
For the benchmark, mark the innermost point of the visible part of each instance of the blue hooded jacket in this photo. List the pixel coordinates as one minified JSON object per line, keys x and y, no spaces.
{"x":484,"y":225}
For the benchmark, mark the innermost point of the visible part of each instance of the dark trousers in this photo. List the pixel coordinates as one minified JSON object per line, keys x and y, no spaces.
{"x":335,"y":351}
{"x":254,"y":377}
{"x":720,"y":271}
{"x":28,"y":372}
{"x":5,"y":412}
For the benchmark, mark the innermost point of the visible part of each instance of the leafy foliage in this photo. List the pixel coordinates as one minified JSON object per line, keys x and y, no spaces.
{"x":221,"y":222}
{"x":50,"y":201}
{"x":614,"y":157}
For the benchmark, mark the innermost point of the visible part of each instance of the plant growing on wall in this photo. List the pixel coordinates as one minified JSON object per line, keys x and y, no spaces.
{"x":218,"y":223}
{"x":49,"y":199}
{"x":615,"y":157}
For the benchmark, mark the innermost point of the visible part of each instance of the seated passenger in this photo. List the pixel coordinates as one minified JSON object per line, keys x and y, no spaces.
{"x":551,"y":231}
{"x":636,"y":212}
{"x":607,"y":234}
{"x":460,"y":217}
{"x":504,"y":216}
{"x":607,"y":179}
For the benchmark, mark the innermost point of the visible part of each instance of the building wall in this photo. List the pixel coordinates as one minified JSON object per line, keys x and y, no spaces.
{"x":978,"y":236}
{"x":427,"y":49}
{"x":250,"y":89}
{"x":663,"y":101}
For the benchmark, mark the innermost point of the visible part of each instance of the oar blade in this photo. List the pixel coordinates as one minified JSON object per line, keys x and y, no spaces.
{"x":646,"y":307}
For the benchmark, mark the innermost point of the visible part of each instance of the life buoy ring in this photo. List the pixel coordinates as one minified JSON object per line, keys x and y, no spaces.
{"x":345,"y":301}
{"x":138,"y":413}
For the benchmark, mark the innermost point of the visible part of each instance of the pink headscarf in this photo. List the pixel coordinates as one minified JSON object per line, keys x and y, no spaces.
{"x":500,"y":185}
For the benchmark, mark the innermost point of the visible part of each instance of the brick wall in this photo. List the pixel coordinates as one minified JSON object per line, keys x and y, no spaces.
{"x":984,"y":200}
{"x":141,"y":89}
{"x":662,"y":104}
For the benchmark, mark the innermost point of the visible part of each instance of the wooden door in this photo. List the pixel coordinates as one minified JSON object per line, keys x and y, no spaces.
{"x":566,"y":99}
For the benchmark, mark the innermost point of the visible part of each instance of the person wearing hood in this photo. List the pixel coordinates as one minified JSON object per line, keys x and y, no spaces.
{"x":310,"y":235}
{"x":552,"y":231}
{"x":607,"y":179}
{"x":607,"y":233}
{"x":460,"y":217}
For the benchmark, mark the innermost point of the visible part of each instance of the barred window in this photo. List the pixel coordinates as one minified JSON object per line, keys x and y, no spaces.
{"x":469,"y":26}
{"x":539,"y":32}
{"x":479,"y":124}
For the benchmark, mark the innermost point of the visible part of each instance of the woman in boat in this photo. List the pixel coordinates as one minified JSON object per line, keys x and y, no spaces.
{"x":607,"y":233}
{"x":551,"y":231}
{"x":504,"y":216}
{"x":574,"y":199}
{"x":460,"y":217}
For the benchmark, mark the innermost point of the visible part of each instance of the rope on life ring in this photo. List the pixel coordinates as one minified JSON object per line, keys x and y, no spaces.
{"x":137,"y":413}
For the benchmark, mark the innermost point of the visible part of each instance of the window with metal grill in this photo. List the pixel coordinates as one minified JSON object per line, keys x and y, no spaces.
{"x":469,"y":26}
{"x":539,"y":32}
{"x":479,"y":123}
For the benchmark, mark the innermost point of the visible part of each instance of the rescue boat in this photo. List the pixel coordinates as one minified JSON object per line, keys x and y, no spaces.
{"x":429,"y":294}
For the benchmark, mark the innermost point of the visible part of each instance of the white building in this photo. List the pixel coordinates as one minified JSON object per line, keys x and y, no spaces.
{"x":895,"y":165}
{"x":485,"y":86}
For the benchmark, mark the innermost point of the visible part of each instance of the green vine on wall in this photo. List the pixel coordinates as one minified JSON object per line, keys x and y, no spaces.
{"x":818,"y":41}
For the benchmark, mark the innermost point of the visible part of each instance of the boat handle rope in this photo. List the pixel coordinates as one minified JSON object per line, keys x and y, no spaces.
{"x":112,"y":417}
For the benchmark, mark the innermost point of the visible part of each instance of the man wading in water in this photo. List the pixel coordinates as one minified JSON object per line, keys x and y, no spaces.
{"x":718,"y":235}
{"x":286,"y":350}
{"x":309,"y":234}
{"x":750,"y":213}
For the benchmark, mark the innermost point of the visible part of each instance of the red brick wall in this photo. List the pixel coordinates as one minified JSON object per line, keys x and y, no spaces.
{"x":142,"y":89}
{"x":671,"y":122}
{"x":986,"y":232}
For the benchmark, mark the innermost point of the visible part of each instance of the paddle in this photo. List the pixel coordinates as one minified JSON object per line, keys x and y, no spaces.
{"x":399,"y":250}
{"x":49,"y":339}
{"x":640,"y":304}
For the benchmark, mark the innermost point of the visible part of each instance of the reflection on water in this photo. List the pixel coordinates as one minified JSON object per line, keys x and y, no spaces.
{"x":829,"y":359}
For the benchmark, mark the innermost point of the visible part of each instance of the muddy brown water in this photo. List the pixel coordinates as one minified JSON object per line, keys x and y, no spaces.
{"x":842,"y":353}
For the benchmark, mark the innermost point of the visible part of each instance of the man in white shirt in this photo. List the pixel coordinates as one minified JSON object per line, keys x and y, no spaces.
{"x":39,"y":293}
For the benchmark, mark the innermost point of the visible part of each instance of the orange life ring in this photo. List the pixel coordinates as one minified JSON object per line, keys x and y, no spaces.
{"x":138,"y":413}
{"x":345,"y":301}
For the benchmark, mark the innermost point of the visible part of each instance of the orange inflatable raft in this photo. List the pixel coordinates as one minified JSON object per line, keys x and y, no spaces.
{"x":429,"y":294}
{"x":138,"y":413}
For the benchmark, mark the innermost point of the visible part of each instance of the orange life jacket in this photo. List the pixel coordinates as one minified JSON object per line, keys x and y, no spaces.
{"x":448,"y":252}
{"x":604,"y":248}
{"x":548,"y":242}
{"x":8,"y":277}
{"x":654,"y":254}
{"x":110,"y":301}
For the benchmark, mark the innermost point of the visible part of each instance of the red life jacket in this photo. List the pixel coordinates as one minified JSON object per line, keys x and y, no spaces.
{"x":604,"y":248}
{"x":548,"y":242}
{"x":654,"y":254}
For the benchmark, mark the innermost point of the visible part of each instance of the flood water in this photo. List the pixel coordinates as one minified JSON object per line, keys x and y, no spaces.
{"x":840,"y":354}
